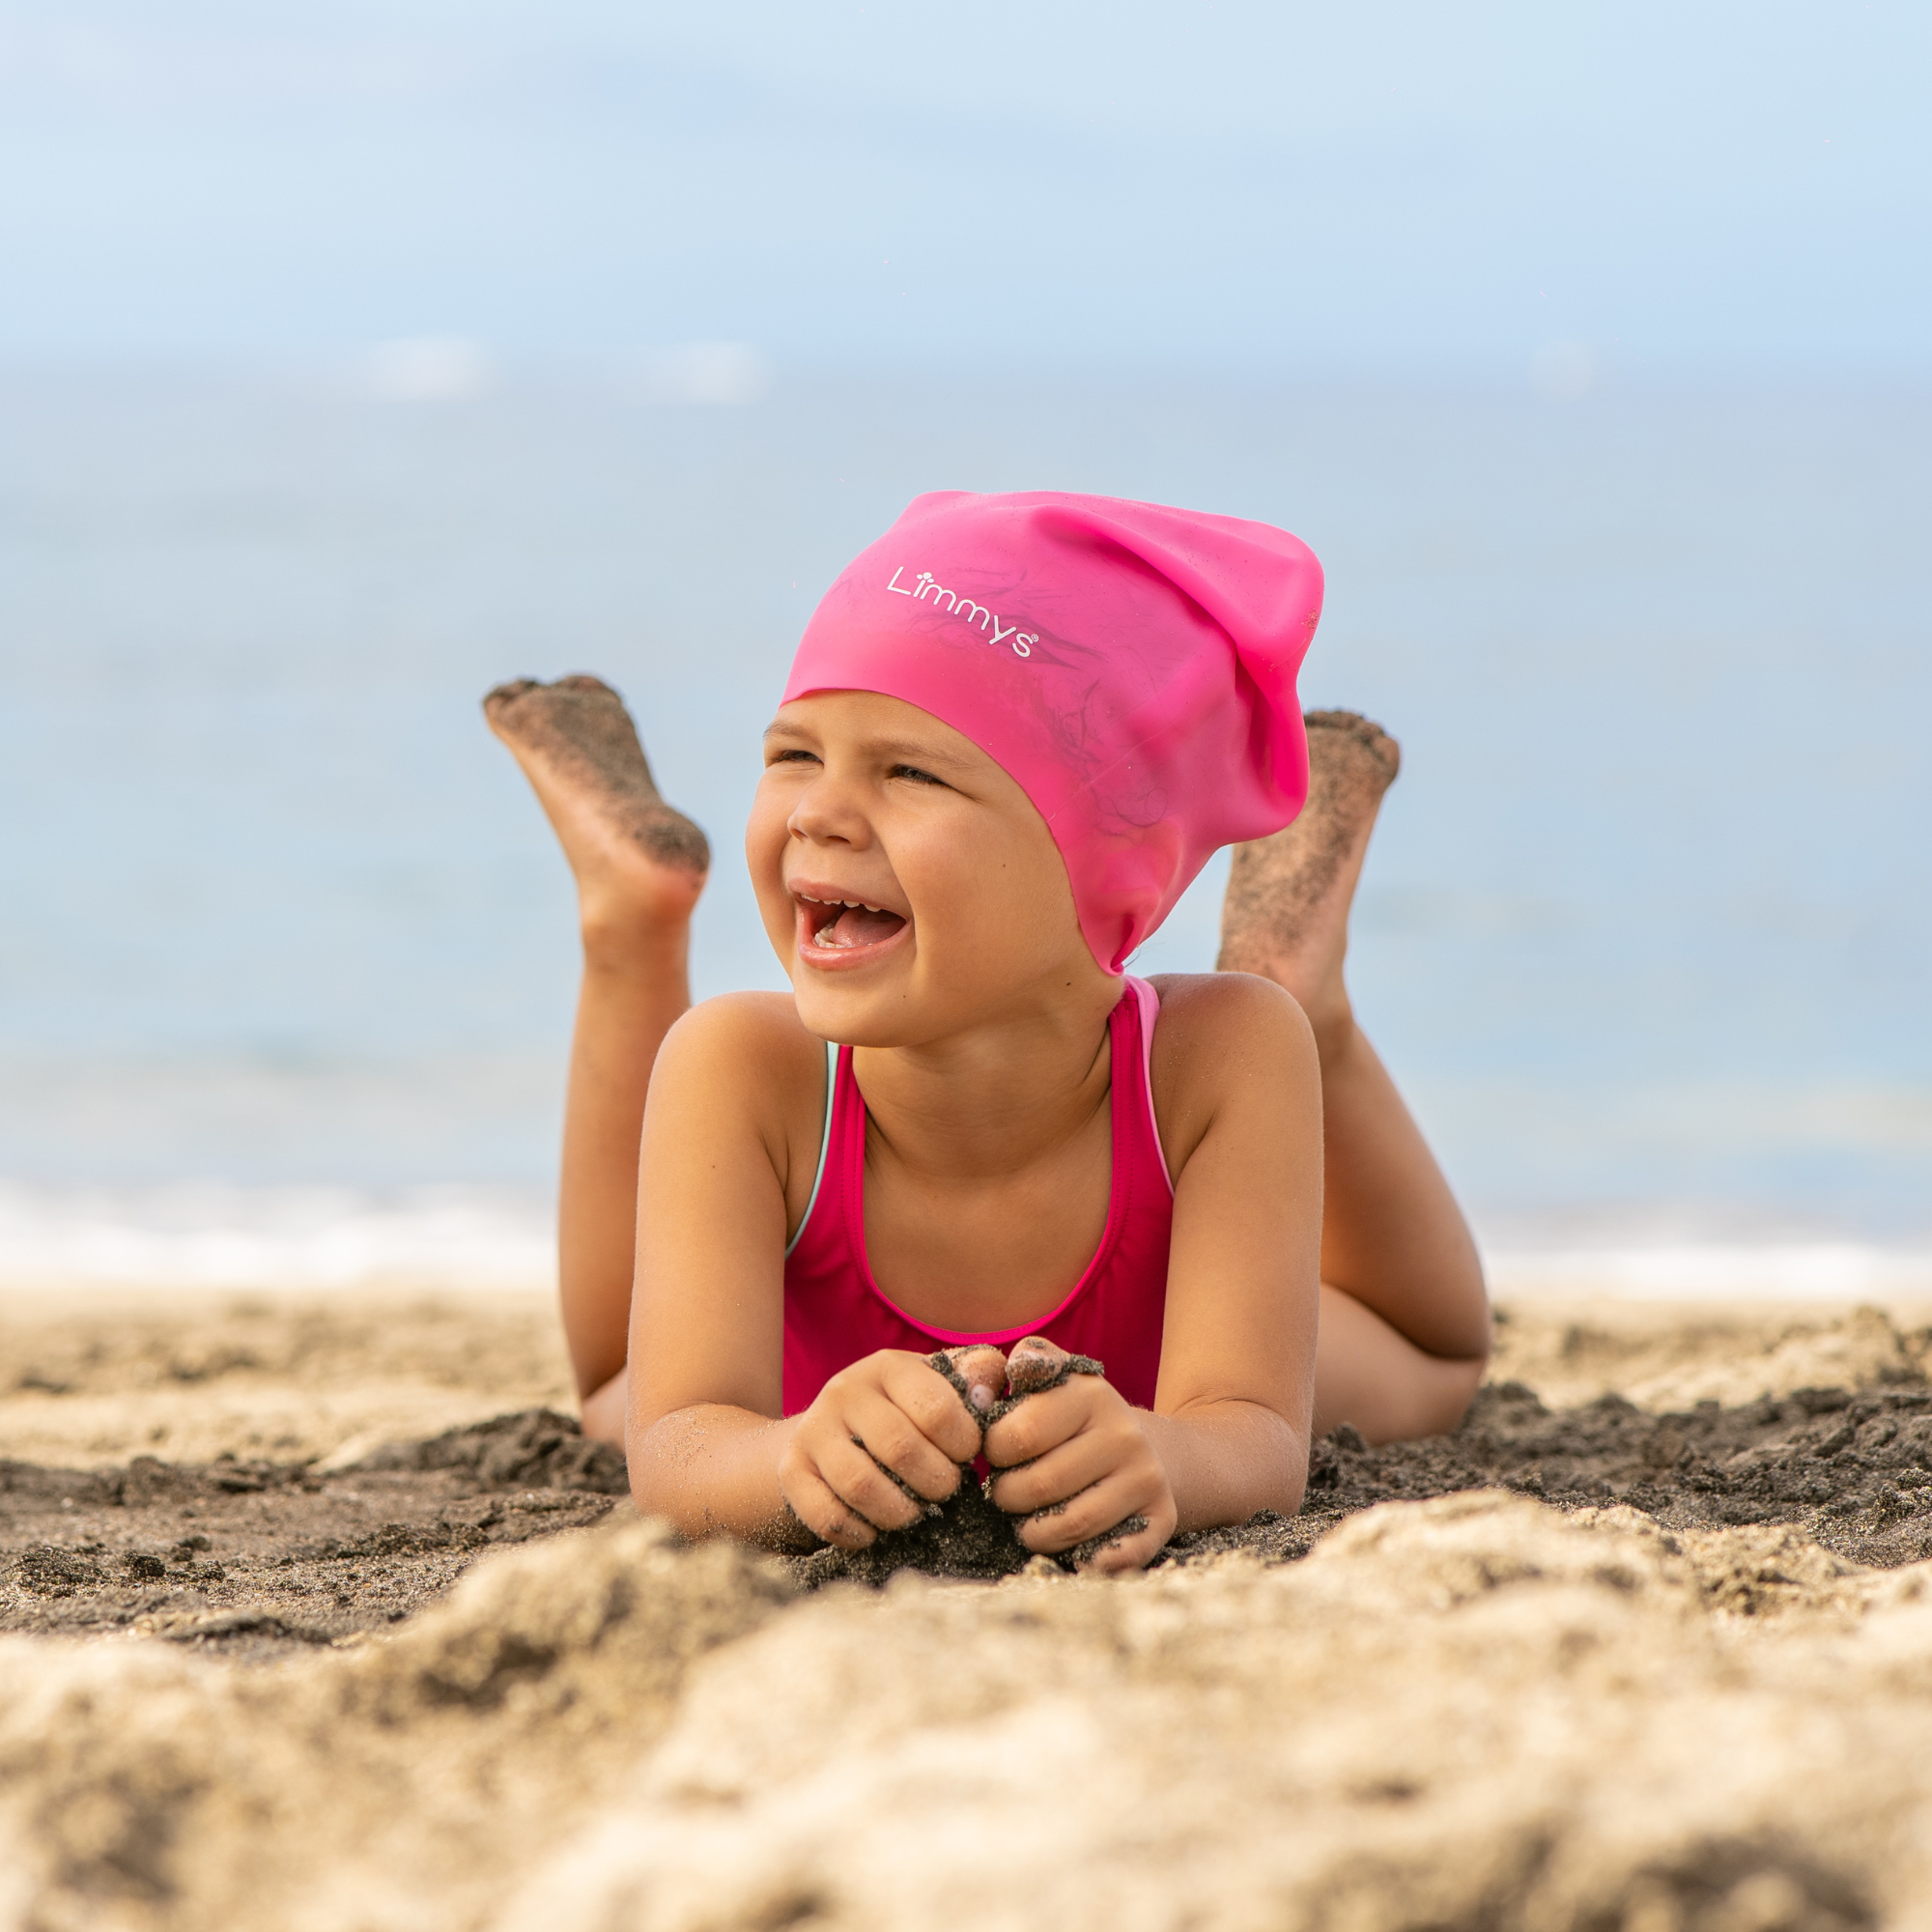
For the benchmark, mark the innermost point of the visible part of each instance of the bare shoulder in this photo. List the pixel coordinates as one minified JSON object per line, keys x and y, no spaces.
{"x":1222,"y":1038}
{"x":763,"y":1026}
{"x":1210,"y":1013}
{"x":745,"y":1054}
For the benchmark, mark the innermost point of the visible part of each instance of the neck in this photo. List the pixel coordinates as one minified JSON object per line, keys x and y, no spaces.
{"x":996,"y":1098}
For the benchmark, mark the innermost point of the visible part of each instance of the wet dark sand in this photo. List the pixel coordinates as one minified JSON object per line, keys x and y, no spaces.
{"x":255,"y":1557}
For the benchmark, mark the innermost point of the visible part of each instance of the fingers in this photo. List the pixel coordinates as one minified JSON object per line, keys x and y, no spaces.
{"x":839,"y":1492}
{"x":1075,"y":1465}
{"x":1133,"y":1547}
{"x":897,"y":1428}
{"x":854,"y":1475}
{"x":813,"y":1501}
{"x":1042,"y":1422}
{"x":1142,"y":1513}
{"x":932,"y":1405}
{"x":883,"y":1440}
{"x":1035,"y":1363}
{"x":983,"y":1370}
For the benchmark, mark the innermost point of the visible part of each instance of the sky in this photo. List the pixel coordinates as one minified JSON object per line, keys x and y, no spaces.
{"x":1668,"y":187}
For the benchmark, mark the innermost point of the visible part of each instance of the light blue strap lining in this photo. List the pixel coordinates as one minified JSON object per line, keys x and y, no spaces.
{"x":824,"y":1145}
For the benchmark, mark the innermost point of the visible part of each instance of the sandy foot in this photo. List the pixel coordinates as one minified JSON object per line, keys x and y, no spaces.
{"x":1286,"y":913}
{"x":579,"y":749}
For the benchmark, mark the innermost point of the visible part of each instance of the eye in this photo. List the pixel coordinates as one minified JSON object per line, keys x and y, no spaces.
{"x":792,"y":756}
{"x":914,"y":775}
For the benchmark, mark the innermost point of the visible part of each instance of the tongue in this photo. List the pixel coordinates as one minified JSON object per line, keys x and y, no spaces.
{"x":857,"y":926}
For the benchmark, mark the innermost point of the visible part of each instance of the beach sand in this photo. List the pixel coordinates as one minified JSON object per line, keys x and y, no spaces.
{"x":323,"y":1616}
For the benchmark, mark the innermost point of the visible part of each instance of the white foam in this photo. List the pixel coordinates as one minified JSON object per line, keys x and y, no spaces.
{"x":209,"y":1234}
{"x":217,"y":1235}
{"x":1716,"y":1271}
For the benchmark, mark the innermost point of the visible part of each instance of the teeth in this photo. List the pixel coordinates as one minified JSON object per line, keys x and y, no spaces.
{"x":851,"y":905}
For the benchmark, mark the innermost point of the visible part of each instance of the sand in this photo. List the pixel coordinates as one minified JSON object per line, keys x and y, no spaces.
{"x":322,"y":1618}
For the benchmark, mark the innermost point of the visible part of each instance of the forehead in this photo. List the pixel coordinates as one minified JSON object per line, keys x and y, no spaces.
{"x":871,"y":723}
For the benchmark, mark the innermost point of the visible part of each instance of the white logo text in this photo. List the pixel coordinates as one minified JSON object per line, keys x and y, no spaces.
{"x":924,"y":586}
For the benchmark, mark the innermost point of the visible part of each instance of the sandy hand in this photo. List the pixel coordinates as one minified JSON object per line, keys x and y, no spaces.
{"x":884,"y":1438}
{"x":1072,"y":1459}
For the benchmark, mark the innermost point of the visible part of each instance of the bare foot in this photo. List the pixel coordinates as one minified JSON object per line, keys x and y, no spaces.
{"x":636,"y":859}
{"x":1285,"y":915}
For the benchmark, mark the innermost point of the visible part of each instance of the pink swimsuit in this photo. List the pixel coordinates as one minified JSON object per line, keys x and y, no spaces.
{"x":834,"y":1312}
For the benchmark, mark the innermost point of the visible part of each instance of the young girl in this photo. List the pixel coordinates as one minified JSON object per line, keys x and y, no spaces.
{"x":1014,"y":730}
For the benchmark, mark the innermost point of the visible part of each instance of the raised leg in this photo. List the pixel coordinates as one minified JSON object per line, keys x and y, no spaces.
{"x":640,"y":868}
{"x":1405,"y":1315}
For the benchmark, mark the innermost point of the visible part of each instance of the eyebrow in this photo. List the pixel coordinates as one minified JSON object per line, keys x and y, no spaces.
{"x":905,"y":749}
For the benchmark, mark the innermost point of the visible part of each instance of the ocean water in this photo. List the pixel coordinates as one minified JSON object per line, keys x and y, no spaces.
{"x":287,"y":957}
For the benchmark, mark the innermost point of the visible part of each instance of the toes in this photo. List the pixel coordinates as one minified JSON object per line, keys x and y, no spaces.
{"x":1352,"y":727}
{"x":496,"y":699}
{"x":1036,"y":1364}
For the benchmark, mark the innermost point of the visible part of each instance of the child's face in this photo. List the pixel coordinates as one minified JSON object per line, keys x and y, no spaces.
{"x":906,"y":882}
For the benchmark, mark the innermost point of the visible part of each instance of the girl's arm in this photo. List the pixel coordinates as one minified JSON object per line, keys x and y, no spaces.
{"x":1235,"y":1068}
{"x":701,"y":1429}
{"x":730,"y":1144}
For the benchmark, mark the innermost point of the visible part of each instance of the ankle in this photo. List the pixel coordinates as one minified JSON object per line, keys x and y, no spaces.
{"x":628,"y":935}
{"x":1315,"y":985}
{"x":1337,"y":1037}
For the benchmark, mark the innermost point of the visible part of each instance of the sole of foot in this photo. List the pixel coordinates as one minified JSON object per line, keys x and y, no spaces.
{"x":635,"y":858}
{"x":1286,"y":913}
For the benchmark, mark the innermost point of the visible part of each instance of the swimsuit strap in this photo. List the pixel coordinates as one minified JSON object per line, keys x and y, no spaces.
{"x":1149,"y":1002}
{"x":824,"y":1142}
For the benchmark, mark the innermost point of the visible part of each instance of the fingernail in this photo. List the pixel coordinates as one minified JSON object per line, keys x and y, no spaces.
{"x":983,"y":1368}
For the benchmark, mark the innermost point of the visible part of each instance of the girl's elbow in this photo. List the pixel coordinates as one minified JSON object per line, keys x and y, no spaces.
{"x":1287,"y":1481}
{"x":656,"y":1490}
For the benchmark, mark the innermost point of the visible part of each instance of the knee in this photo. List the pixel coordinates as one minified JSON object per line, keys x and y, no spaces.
{"x":1441,"y":1396}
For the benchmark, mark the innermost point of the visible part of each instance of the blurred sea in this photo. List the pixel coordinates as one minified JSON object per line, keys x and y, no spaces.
{"x":287,"y":957}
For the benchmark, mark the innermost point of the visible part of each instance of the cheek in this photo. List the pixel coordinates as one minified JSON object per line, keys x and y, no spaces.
{"x":766,"y":832}
{"x":1002,"y":882}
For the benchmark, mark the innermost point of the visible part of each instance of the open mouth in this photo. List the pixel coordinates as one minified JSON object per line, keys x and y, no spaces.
{"x":848,"y":927}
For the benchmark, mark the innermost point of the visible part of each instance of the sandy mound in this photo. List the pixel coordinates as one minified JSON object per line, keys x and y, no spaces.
{"x":1587,"y":1663}
{"x":1466,"y":1712}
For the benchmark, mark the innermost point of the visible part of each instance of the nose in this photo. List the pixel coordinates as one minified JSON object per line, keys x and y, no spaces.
{"x":827,"y":813}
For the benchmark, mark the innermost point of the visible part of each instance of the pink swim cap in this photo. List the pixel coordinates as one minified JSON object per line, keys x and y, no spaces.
{"x":1132,"y":666}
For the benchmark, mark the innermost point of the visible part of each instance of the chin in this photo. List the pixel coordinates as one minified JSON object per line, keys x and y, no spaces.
{"x":854,"y":1016}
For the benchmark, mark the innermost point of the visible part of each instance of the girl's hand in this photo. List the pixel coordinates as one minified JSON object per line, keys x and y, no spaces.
{"x":891,"y":1412}
{"x":1077,"y":1462}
